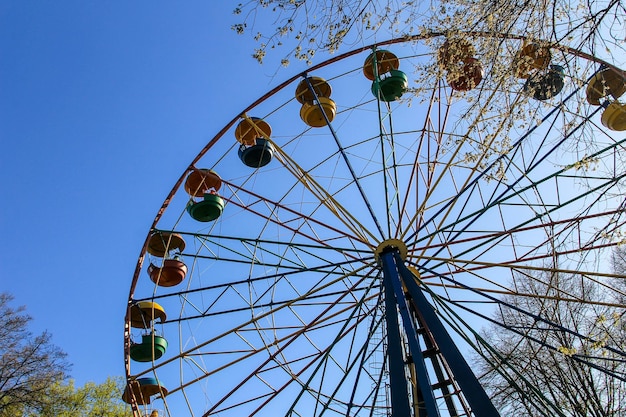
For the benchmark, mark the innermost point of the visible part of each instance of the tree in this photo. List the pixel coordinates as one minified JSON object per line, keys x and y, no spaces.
{"x":90,"y":400}
{"x":28,"y":364}
{"x":307,"y":26}
{"x":556,"y":350}
{"x":618,"y":262}
{"x":33,"y":374}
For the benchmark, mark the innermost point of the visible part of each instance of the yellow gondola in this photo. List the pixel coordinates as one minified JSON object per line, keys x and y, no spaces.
{"x":318,"y":109}
{"x":143,"y":313}
{"x":614,"y":116}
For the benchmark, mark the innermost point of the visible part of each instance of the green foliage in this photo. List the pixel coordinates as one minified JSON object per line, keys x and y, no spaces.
{"x":90,"y":400}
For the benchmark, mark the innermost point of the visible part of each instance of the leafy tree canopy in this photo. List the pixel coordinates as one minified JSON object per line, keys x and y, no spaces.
{"x":90,"y":400}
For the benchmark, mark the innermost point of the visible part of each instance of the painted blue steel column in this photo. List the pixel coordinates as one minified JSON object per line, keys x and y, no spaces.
{"x":400,"y":403}
{"x":475,"y":394}
{"x":395,"y":293}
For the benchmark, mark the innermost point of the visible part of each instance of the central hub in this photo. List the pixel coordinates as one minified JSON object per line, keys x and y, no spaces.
{"x":391,"y":244}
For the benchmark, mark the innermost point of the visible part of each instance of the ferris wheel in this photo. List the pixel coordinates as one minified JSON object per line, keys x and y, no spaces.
{"x":341,"y":247}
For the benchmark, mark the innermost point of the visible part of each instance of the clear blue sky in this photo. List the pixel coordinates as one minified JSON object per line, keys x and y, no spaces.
{"x":102,"y":107}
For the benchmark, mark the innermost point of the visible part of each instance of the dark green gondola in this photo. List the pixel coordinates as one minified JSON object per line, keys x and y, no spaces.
{"x":152,"y":347}
{"x":206,"y":210}
{"x":545,"y":85}
{"x":257,"y":155}
{"x":388,"y":82}
{"x":392,"y":86}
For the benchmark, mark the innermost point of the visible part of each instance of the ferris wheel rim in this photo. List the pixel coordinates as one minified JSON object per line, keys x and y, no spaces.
{"x":280,"y":87}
